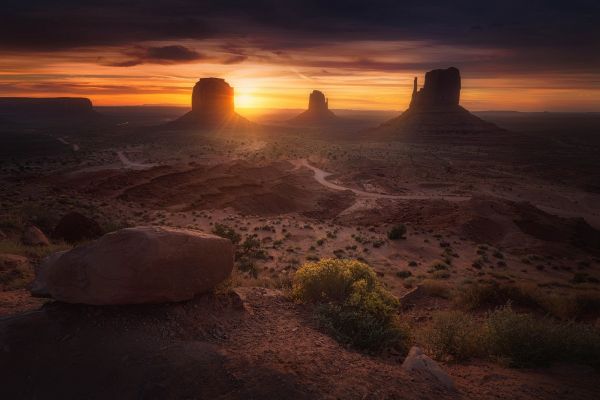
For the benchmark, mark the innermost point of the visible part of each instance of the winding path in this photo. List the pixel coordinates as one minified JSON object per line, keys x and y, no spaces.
{"x":127,"y":163}
{"x":320,"y":176}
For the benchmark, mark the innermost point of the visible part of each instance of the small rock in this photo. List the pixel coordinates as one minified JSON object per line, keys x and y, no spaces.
{"x":33,"y":236}
{"x":416,"y":360}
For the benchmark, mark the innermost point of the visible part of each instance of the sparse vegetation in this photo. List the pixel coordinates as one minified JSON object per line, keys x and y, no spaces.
{"x":227,"y":232}
{"x":516,"y":339}
{"x":397,"y":232}
{"x":350,"y":303}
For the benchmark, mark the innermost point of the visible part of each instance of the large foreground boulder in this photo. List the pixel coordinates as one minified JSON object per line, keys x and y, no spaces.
{"x":138,"y":265}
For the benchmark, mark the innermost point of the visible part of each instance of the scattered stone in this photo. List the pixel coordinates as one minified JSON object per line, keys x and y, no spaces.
{"x":138,"y":265}
{"x":33,"y":236}
{"x":75,"y":227}
{"x":417,"y":361}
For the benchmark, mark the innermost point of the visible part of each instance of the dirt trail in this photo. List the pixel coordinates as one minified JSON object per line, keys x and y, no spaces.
{"x":127,"y":163}
{"x":321,"y":177}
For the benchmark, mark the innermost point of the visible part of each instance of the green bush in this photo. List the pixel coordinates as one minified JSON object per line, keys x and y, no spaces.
{"x":227,"y":232}
{"x":397,"y":232}
{"x":350,"y":303}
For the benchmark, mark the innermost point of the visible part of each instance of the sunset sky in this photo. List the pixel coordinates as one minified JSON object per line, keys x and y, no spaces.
{"x":530,"y":56}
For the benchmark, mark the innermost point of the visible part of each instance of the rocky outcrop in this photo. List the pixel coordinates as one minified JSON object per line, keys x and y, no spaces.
{"x":212,"y":98}
{"x":58,"y":110}
{"x":434,"y":115}
{"x":441,"y":89}
{"x":317,"y":102}
{"x":33,"y":236}
{"x":212,"y":107}
{"x":138,"y":265}
{"x":318,"y":112}
{"x":74,"y":227}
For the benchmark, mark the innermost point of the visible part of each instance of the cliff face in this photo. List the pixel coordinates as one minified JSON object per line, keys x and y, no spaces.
{"x":318,"y":112}
{"x":49,"y":112}
{"x":212,"y":97}
{"x":441,"y":89}
{"x":317,"y":103}
{"x":434,"y":115}
{"x":212,"y":107}
{"x":58,"y":108}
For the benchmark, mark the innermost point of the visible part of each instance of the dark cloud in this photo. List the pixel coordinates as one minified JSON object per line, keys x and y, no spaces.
{"x":173,"y":54}
{"x":559,"y":33}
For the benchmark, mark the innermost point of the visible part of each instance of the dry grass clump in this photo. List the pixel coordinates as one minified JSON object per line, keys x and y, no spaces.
{"x":350,"y":303}
{"x":435,"y":288}
{"x":516,"y":339}
{"x":580,"y":305}
{"x":10,"y":246}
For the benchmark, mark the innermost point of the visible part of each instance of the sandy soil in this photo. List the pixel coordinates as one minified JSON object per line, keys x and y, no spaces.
{"x":249,"y":344}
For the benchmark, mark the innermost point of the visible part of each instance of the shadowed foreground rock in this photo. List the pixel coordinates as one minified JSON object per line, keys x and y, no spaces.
{"x":137,"y":265}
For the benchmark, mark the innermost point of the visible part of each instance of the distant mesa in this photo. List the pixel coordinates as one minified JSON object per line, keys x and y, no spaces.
{"x":435,"y":114}
{"x":52,"y":110}
{"x":441,"y":90}
{"x":318,"y":112}
{"x":212,"y":107}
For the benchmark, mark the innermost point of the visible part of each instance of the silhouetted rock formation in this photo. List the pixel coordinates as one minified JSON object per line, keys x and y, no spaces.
{"x":58,"y":110}
{"x":212,"y":107}
{"x":318,"y":112}
{"x":212,"y":98}
{"x":434,"y":114}
{"x":442,"y":89}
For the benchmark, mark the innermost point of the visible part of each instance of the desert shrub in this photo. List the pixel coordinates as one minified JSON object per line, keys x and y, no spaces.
{"x":36,"y":252}
{"x":492,"y":294}
{"x":403,"y":274}
{"x":440,"y":274}
{"x":436,"y":289}
{"x":573,"y":306}
{"x":397,"y":232}
{"x":438,"y":265}
{"x":454,"y":334}
{"x":524,"y":340}
{"x":251,"y":248}
{"x":227,"y":232}
{"x":350,"y":303}
{"x":516,"y":339}
{"x":245,"y":264}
